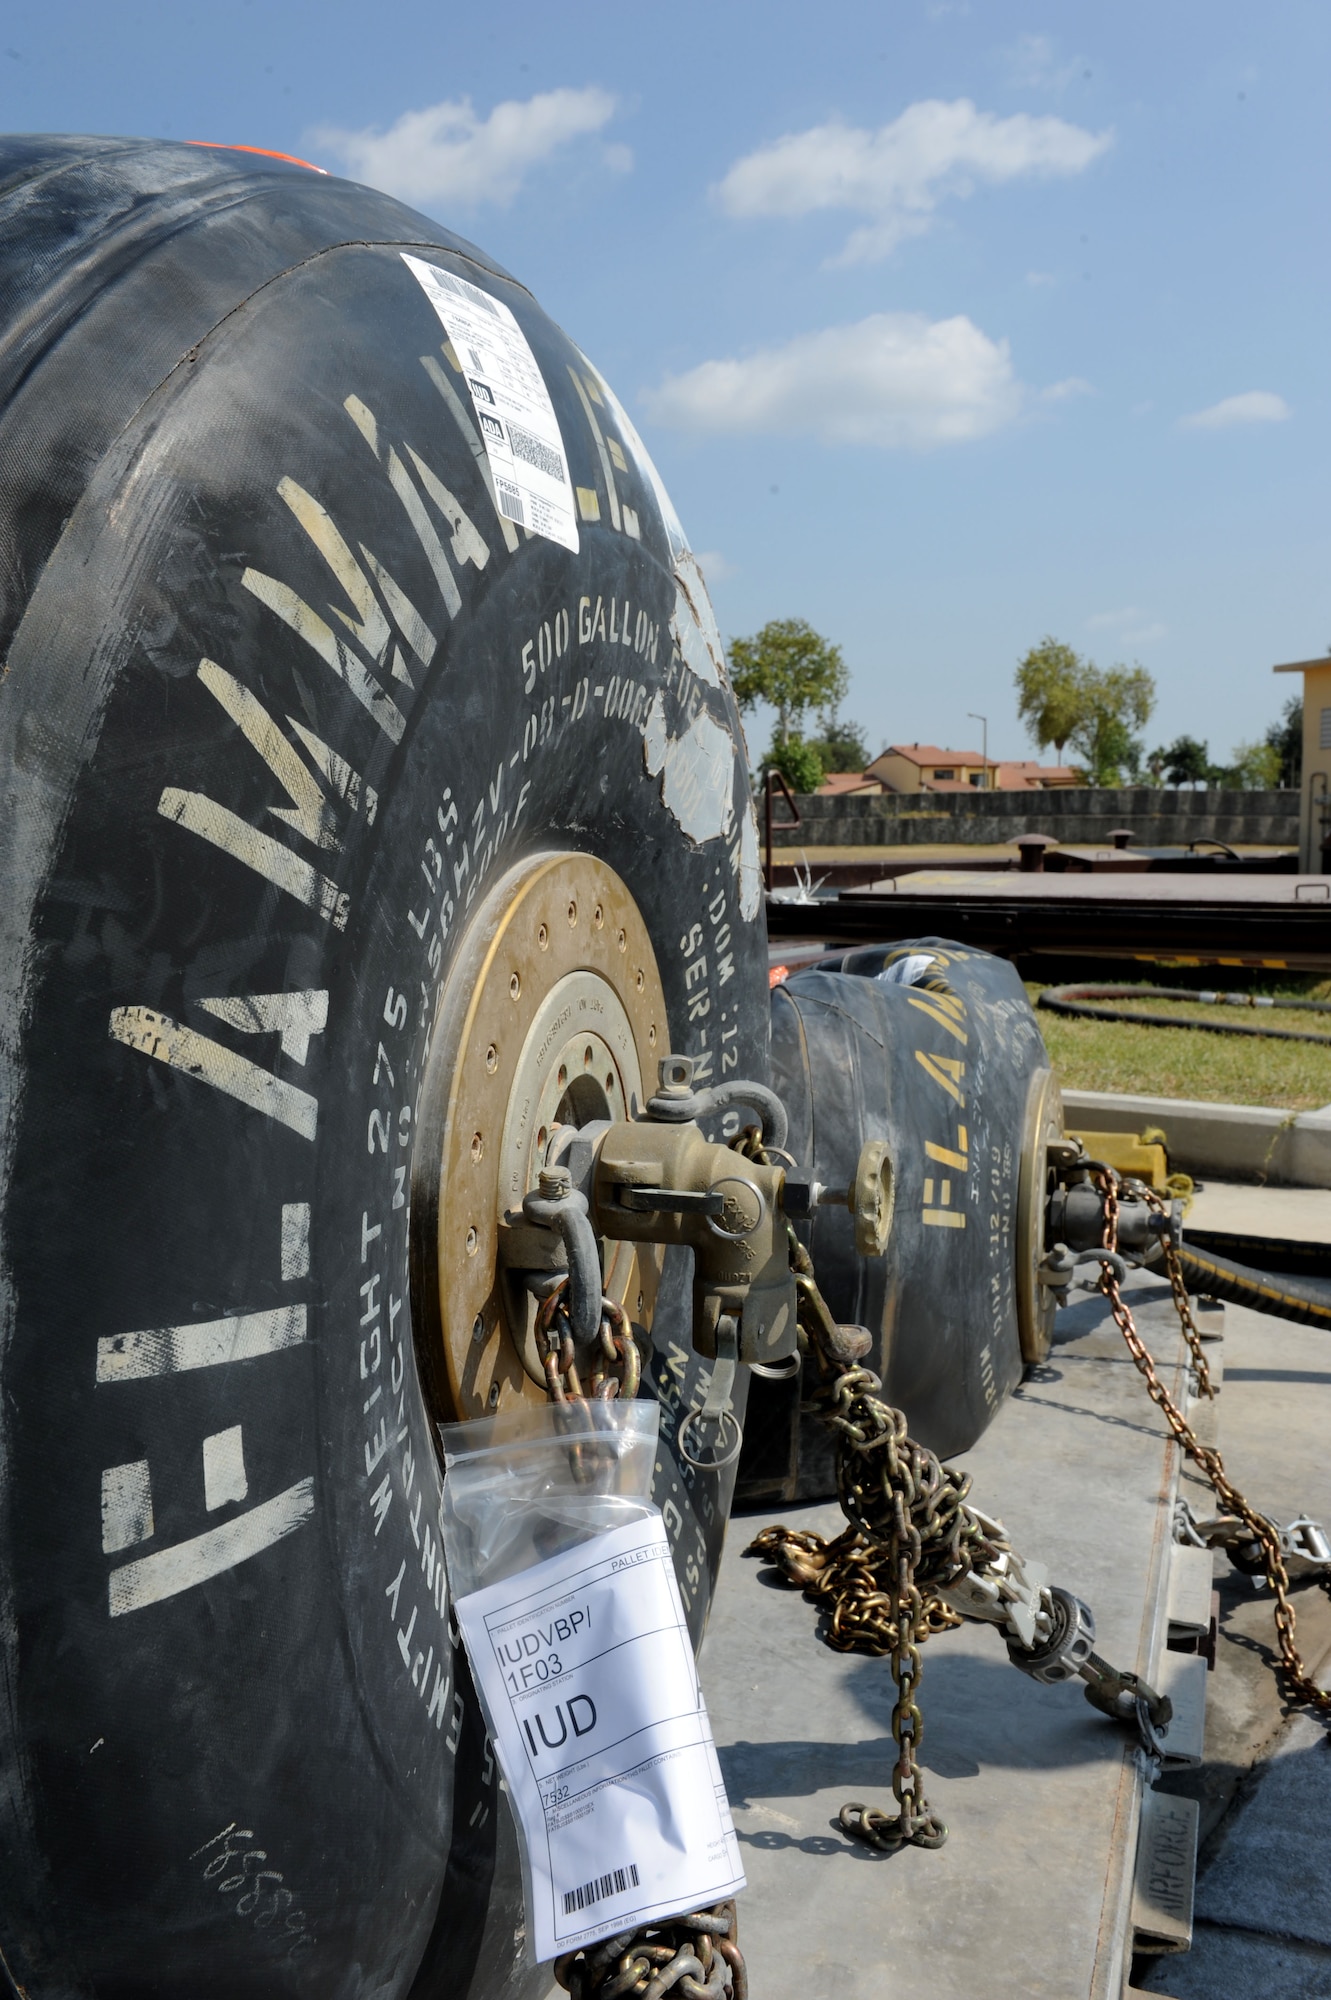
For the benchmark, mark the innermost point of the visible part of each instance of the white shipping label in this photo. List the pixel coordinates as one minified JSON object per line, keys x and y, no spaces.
{"x":586,"y":1671}
{"x":514,"y":415}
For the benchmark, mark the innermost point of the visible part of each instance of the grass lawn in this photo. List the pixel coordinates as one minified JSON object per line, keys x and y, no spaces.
{"x":1220,"y":1069}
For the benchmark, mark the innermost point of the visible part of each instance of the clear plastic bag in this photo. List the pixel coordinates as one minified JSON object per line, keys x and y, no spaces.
{"x":565,"y":1595}
{"x":533,"y":1482}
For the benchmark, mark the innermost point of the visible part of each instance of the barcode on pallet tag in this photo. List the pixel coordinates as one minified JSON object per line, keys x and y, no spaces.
{"x":613,"y":1884}
{"x":510,"y":502}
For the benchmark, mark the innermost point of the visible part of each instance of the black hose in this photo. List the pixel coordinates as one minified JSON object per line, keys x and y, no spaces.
{"x":1080,"y":1001}
{"x":1299,"y":1299}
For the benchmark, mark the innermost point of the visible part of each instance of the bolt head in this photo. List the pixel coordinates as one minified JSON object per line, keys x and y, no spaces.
{"x":676,"y":1074}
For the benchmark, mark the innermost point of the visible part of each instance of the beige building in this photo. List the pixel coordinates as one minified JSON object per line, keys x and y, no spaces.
{"x":924,"y":767}
{"x":1315,"y":797}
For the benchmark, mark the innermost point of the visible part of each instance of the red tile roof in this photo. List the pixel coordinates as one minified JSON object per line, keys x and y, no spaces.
{"x":840,"y":782}
{"x":928,"y":753}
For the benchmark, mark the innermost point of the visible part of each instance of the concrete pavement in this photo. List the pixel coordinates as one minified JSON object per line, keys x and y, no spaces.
{"x":1027,"y":1895}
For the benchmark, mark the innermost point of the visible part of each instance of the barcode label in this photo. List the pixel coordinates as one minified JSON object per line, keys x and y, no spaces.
{"x":510,"y":502}
{"x":507,"y":389}
{"x":596,"y":1891}
{"x":536,"y":452}
{"x":462,"y":290}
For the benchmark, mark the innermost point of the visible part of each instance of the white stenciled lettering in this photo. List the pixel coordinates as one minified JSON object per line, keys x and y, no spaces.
{"x":295,"y":1240}
{"x":167,"y":1572}
{"x":468,"y":544}
{"x":253,"y":849}
{"x":166,"y":1041}
{"x":127,"y":1506}
{"x":412,"y":505}
{"x":209,"y":1343}
{"x":319,"y":635}
{"x":225,"y":1480}
{"x":295,"y":1017}
{"x":308,"y":814}
{"x":367,"y":620}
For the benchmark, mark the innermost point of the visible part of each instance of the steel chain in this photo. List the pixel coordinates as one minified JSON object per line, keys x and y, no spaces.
{"x":696,"y":1957}
{"x":909,"y":1533}
{"x":1210,"y":1464}
{"x":616,"y":1349}
{"x":1182,"y":1300}
{"x":846,"y":1578}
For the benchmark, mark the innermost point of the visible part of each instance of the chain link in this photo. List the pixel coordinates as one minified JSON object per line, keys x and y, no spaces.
{"x":1211,"y":1465}
{"x":696,"y":1957}
{"x":616,"y":1363}
{"x":1182,"y":1300}
{"x":847,"y":1579}
{"x":909,"y":1533}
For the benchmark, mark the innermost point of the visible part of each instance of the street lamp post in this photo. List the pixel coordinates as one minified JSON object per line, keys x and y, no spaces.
{"x":971,"y":716}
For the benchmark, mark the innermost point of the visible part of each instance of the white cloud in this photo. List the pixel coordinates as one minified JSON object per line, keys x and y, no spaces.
{"x":1072,"y":385}
{"x":1032,"y":64}
{"x":897,"y":380}
{"x":898,"y":175}
{"x":1254,"y":406}
{"x":448,"y":154}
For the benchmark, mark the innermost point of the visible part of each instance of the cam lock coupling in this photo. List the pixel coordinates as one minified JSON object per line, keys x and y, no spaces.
{"x":658,"y":1179}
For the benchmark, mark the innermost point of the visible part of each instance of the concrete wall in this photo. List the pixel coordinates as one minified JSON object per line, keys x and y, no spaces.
{"x":1157,"y":818}
{"x":1235,"y":1142}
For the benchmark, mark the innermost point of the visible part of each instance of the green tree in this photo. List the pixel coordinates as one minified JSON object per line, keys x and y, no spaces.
{"x":1186,"y":762}
{"x":793,"y":669}
{"x":798,"y":762}
{"x":1256,"y":767}
{"x":1116,"y":701}
{"x":1286,"y":739}
{"x":841,"y":745}
{"x":1051,"y":693}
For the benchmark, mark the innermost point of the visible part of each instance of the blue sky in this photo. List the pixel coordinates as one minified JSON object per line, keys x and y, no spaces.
{"x":948,"y":324}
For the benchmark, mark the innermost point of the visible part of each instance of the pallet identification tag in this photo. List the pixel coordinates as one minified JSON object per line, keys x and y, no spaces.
{"x":515,"y":417}
{"x":586,"y":1672}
